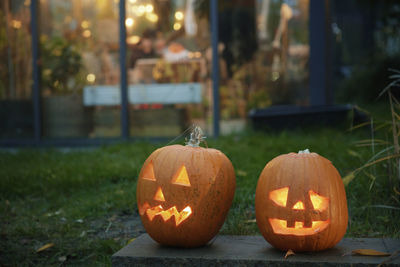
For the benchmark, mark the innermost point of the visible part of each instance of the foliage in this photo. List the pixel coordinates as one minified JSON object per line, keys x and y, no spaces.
{"x":367,"y":78}
{"x":62,"y":64}
{"x":15,"y":53}
{"x":385,"y":137}
{"x":83,"y":200}
{"x":367,"y":45}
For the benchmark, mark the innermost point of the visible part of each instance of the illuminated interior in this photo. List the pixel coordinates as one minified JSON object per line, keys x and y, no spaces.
{"x":181,"y":177}
{"x":319,"y":202}
{"x":166,"y":214}
{"x":159,"y":195}
{"x":298,"y":206}
{"x":280,"y":227}
{"x":279,"y":196}
{"x":148,"y":172}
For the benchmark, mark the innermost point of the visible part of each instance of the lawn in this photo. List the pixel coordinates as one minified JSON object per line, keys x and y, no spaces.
{"x":82,"y":201}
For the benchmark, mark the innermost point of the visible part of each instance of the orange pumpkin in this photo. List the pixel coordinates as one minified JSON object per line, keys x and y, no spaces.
{"x":184,"y":193}
{"x":301,"y":203}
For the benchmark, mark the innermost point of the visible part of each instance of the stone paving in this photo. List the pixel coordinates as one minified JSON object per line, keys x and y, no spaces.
{"x":252,"y":251}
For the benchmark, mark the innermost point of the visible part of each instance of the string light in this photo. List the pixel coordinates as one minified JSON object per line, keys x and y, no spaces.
{"x":177,"y":26}
{"x":179,"y":15}
{"x":129,"y":22}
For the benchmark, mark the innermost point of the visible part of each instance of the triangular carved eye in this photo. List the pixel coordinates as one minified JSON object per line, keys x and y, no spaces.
{"x":148,"y":172}
{"x":319,"y":202}
{"x":279,"y":196}
{"x":181,"y":177}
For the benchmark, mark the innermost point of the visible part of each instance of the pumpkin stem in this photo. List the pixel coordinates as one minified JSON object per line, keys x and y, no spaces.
{"x":305,"y":151}
{"x":196,"y":136}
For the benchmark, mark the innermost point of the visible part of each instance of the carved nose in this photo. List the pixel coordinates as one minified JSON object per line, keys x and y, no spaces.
{"x":298,"y":206}
{"x":159,"y":195}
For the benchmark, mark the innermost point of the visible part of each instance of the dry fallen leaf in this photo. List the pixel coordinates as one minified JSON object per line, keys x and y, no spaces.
{"x":48,"y":245}
{"x":289,"y":253}
{"x":370,"y":252}
{"x":251,"y":221}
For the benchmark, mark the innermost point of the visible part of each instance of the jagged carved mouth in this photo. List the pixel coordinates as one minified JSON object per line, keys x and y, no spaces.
{"x":280,"y":227}
{"x":152,"y":212}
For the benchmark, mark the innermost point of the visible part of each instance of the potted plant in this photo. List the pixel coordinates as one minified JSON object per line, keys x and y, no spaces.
{"x":62,"y":81}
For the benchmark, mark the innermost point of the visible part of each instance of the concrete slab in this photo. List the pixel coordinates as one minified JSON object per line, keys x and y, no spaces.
{"x":251,"y":251}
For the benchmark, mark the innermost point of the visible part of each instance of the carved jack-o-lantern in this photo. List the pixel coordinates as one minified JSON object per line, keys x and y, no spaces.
{"x":301,"y":203}
{"x":184,"y":193}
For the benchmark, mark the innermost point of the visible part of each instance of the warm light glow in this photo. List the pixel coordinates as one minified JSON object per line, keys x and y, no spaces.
{"x":319,"y":202}
{"x":298,"y":206}
{"x":159,"y":195}
{"x":152,"y":212}
{"x":129,"y":22}
{"x":177,"y":26}
{"x":179,"y":15}
{"x":280,"y":227}
{"x":138,"y":10}
{"x":16,"y":24}
{"x":181,"y":177}
{"x":91,"y":77}
{"x":279,"y":196}
{"x":148,"y":173}
{"x":132,"y":40}
{"x":152,"y":17}
{"x":132,"y":1}
{"x":85,"y":24}
{"x":194,"y":54}
{"x":149,"y":8}
{"x":142,"y":9}
{"x":86,"y":33}
{"x":298,"y":225}
{"x":165,"y":214}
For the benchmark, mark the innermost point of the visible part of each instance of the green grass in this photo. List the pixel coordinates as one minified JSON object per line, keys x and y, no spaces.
{"x":71,"y":198}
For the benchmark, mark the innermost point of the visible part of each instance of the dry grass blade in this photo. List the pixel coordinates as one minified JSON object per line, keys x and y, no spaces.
{"x":377,"y":161}
{"x":392,"y":257}
{"x":384,"y":207}
{"x":394,"y":125}
{"x":359,"y":125}
{"x":368,"y":142}
{"x":370,"y":252}
{"x":349,"y":177}
{"x":387,"y":88}
{"x":394,"y":70}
